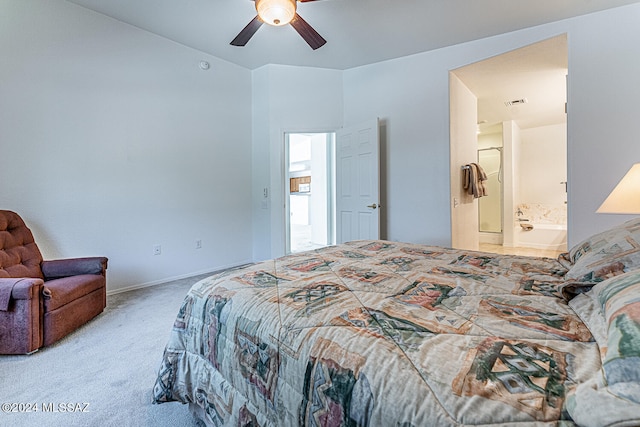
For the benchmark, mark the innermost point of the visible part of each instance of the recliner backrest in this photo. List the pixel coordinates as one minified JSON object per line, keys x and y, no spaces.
{"x":19,"y":254}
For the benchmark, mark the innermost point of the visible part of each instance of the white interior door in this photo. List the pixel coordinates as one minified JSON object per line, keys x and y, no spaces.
{"x":358,"y":182}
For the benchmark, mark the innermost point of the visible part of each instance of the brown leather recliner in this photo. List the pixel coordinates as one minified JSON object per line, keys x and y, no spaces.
{"x":43,"y":301}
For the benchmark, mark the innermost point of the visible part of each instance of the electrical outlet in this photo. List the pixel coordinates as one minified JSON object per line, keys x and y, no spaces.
{"x":198,"y":244}
{"x":157,"y":249}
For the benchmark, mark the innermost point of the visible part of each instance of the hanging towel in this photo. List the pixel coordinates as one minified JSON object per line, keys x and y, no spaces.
{"x":473,"y":180}
{"x":482,"y":178}
{"x":468,"y":179}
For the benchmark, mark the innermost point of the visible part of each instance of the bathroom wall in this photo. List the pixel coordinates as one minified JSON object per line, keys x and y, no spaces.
{"x":543,"y":173}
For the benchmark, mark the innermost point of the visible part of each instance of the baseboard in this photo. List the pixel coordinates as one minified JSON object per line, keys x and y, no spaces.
{"x":491,"y":238}
{"x":180,"y":277}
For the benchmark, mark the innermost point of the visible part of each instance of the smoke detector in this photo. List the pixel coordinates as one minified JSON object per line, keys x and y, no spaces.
{"x":516,"y":102}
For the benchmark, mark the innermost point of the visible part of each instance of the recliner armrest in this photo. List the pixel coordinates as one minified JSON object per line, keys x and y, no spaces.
{"x":56,"y":269}
{"x":18,"y":288}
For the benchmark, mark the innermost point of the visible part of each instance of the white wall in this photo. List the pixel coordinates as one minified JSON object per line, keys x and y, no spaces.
{"x":113,"y":140}
{"x":543,"y":165}
{"x":411,"y":96}
{"x":512,"y":140}
{"x":464,"y":146}
{"x":603,"y":125}
{"x":285,"y":99}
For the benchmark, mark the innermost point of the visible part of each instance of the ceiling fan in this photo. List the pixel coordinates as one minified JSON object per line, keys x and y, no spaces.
{"x":279,"y":13}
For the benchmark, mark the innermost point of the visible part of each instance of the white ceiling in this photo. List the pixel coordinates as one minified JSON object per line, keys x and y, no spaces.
{"x":358,"y":32}
{"x":536,"y":73}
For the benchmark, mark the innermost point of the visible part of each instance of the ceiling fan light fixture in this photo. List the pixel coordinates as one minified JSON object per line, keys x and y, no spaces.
{"x":276,"y":12}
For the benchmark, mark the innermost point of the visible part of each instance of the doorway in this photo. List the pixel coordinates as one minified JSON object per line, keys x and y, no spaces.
{"x":515,"y":127}
{"x":310,"y":191}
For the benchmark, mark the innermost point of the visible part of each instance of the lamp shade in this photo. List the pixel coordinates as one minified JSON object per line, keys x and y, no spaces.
{"x":625,"y":198}
{"x":276,"y":12}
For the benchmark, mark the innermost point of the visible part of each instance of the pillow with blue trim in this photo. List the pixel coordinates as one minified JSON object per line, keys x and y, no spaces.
{"x":619,"y":299}
{"x":612,"y":396}
{"x":606,"y":254}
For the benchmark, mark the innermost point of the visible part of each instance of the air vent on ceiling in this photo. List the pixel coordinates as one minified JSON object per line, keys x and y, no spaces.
{"x":515,"y":102}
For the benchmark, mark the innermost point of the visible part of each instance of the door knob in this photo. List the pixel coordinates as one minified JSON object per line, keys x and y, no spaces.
{"x":373,"y":206}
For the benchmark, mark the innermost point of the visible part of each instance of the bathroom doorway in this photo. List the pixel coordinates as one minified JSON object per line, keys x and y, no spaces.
{"x":521,"y":138}
{"x":310,"y":195}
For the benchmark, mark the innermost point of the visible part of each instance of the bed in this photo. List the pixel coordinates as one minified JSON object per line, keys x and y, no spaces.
{"x":381,"y":333}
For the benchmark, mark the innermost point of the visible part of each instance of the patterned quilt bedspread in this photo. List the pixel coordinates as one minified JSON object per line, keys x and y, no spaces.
{"x":383,"y":334}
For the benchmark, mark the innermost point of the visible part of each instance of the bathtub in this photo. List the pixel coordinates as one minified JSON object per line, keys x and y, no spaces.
{"x":542,"y":236}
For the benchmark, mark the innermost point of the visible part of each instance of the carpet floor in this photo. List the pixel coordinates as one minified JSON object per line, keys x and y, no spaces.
{"x":103,"y":373}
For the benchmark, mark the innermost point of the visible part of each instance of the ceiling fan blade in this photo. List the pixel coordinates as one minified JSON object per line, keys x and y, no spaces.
{"x":247,"y":32}
{"x":307,"y":32}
